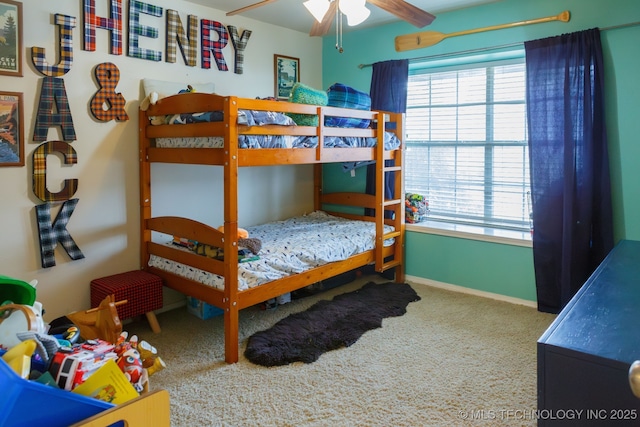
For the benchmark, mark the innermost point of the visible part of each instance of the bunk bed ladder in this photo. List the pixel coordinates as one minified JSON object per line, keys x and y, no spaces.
{"x":395,"y":205}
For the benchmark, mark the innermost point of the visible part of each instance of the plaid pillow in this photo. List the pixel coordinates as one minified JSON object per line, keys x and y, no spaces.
{"x":343,"y":96}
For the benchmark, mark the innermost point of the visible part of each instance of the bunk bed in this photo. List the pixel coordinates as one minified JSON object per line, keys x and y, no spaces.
{"x":233,"y":148}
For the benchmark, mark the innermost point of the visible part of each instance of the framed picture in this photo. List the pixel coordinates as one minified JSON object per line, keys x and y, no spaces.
{"x":287,"y":73}
{"x":10,"y":38}
{"x":11,"y":129}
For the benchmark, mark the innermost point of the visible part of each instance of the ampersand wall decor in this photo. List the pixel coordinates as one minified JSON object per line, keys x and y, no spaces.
{"x":108,"y":105}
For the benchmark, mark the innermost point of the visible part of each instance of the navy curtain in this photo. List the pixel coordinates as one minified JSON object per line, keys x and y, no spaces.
{"x":388,"y":93}
{"x":570,"y":184}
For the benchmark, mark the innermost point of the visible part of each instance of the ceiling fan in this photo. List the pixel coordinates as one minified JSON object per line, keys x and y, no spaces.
{"x":324,"y":12}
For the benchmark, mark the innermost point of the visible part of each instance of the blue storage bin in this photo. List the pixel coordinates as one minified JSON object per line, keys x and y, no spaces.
{"x":202,"y":309}
{"x":29,"y":403}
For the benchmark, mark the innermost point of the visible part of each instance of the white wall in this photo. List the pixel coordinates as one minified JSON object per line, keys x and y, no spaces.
{"x":105,"y":224}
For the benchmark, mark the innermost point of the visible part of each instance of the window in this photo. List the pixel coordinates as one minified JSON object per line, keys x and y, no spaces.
{"x":466,"y":138}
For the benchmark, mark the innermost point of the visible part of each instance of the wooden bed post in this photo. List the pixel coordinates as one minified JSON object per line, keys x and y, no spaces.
{"x":230,"y":173}
{"x":145,"y":188}
{"x":380,"y":196}
{"x":317,"y":187}
{"x":317,"y":167}
{"x":399,"y":191}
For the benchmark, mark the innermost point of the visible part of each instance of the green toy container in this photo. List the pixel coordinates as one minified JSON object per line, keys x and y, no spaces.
{"x":16,"y":291}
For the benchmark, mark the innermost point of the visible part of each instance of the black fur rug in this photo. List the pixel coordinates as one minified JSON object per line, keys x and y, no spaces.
{"x":328,"y":325}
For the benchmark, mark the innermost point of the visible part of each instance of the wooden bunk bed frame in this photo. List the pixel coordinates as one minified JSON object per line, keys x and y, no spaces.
{"x":231,"y":300}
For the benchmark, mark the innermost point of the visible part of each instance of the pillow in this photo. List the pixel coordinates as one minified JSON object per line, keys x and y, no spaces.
{"x":158,"y":89}
{"x":303,"y":94}
{"x":343,"y":96}
{"x":165,"y":88}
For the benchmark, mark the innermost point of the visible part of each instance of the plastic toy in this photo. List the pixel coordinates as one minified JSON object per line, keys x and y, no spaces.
{"x":46,"y":347}
{"x":19,"y":318}
{"x":150,"y":359}
{"x":130,"y":363}
{"x":19,"y":357}
{"x":17,"y":291}
{"x":138,"y":360}
{"x":70,"y":367}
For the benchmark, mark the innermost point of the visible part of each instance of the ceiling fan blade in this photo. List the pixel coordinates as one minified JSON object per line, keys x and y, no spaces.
{"x":405,"y":11}
{"x":250,"y":7}
{"x":322,"y":28}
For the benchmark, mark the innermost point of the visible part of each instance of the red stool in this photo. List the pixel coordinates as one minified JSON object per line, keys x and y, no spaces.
{"x":142,"y":290}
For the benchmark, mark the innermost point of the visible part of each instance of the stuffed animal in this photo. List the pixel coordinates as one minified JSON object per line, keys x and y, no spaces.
{"x":153,"y":97}
{"x":244,"y":241}
{"x":150,"y":359}
{"x":134,"y":356}
{"x":149,"y":100}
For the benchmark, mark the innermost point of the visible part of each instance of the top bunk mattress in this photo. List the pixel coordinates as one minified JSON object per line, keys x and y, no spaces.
{"x":391,"y":142}
{"x":261,"y":118}
{"x":289,"y":247}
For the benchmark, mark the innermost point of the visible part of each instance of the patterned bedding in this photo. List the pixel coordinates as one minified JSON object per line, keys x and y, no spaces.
{"x":245,"y":117}
{"x":391,"y":142}
{"x":289,"y":247}
{"x":261,"y":118}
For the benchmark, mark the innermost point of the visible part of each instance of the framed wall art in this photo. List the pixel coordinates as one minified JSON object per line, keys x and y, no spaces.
{"x":10,"y":38}
{"x":11,"y":129}
{"x":287,"y":73}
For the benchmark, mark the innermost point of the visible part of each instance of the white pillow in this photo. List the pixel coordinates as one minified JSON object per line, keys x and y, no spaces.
{"x":164,"y":88}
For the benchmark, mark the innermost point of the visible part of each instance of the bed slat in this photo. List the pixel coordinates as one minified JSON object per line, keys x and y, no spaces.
{"x":186,"y":228}
{"x":188,"y":258}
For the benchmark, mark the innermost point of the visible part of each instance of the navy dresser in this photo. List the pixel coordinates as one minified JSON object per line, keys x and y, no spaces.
{"x":585,"y":355}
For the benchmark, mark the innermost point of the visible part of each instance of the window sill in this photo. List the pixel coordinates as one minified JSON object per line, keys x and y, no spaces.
{"x":485,"y":234}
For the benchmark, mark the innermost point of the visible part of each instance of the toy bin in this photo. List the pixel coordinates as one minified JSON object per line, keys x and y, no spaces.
{"x":29,"y":403}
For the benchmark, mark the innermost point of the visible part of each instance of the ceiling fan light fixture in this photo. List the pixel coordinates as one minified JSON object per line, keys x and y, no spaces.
{"x":355,"y":11}
{"x":359,"y":17}
{"x":318,"y":8}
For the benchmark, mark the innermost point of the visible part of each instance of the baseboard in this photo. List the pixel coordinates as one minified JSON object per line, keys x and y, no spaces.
{"x":419,"y":281}
{"x":171,"y":306}
{"x":164,"y":308}
{"x":462,"y":289}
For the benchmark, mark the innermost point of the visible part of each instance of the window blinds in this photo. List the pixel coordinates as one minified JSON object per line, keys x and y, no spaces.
{"x":467,"y":145}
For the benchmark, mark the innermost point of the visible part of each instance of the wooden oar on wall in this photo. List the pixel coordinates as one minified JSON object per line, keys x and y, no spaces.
{"x":429,"y":38}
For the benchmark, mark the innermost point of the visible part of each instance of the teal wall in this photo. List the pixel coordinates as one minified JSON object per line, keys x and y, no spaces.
{"x":491,"y":267}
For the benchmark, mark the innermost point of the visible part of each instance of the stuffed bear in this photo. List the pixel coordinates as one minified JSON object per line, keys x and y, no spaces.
{"x":152,"y":98}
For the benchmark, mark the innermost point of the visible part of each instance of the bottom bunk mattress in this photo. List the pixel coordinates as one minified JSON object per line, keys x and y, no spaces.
{"x":289,"y":247}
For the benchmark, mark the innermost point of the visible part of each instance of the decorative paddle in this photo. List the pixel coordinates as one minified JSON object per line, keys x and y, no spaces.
{"x":429,"y":38}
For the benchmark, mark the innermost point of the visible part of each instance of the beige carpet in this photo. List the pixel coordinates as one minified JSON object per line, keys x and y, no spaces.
{"x":452,"y":360}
